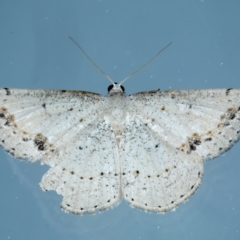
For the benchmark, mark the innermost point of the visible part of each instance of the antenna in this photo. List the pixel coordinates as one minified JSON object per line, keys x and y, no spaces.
{"x":136,"y":71}
{"x":144,"y":65}
{"x":94,"y":64}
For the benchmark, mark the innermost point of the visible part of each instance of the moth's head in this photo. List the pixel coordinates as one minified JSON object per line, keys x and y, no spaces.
{"x":116,"y":88}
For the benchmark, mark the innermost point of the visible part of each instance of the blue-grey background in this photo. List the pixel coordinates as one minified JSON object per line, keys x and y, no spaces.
{"x":120,"y":36}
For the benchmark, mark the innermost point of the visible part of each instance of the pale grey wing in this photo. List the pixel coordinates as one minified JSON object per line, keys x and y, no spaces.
{"x":168,"y":136}
{"x":155,"y":175}
{"x":204,"y":123}
{"x":33,"y":121}
{"x":53,"y":126}
{"x":86,"y":170}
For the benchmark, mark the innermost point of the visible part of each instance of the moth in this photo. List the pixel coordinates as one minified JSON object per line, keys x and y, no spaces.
{"x":148,"y":148}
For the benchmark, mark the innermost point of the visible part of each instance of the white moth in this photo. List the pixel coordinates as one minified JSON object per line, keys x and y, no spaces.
{"x":148,"y":148}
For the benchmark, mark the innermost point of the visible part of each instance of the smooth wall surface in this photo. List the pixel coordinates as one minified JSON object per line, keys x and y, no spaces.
{"x":120,"y":36}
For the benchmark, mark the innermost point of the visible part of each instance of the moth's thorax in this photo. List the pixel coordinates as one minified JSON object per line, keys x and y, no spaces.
{"x":116,"y":106}
{"x":116,"y":112}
